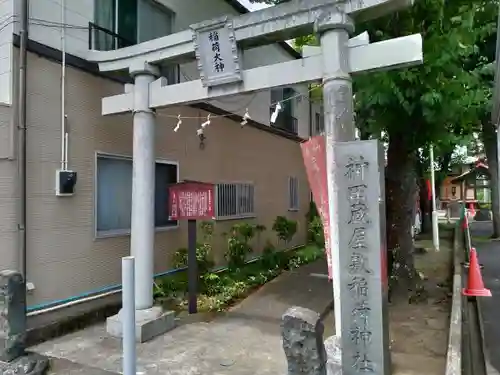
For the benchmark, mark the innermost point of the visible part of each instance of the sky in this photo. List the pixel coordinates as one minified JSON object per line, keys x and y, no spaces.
{"x":251,"y":6}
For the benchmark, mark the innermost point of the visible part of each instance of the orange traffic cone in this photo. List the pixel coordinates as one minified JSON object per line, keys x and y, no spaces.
{"x":475,"y":285}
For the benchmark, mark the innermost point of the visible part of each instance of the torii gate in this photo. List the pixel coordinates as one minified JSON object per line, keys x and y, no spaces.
{"x":332,"y":63}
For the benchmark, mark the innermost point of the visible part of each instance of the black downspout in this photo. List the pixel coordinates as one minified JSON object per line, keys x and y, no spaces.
{"x":21,"y":152}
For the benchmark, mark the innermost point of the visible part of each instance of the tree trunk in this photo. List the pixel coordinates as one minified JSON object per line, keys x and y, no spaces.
{"x":490,"y":147}
{"x":400,"y":201}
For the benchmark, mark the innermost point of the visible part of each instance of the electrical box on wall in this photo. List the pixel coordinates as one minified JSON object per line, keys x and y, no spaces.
{"x":65,"y":183}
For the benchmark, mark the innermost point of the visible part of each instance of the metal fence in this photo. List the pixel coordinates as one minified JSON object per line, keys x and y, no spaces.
{"x":234,"y":200}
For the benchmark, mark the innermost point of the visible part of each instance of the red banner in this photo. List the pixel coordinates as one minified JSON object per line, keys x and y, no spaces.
{"x":314,"y":155}
{"x":191,"y":201}
{"x":429,"y":190}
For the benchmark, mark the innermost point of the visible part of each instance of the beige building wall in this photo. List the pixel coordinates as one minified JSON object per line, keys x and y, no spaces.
{"x":64,"y":257}
{"x":8,"y":191}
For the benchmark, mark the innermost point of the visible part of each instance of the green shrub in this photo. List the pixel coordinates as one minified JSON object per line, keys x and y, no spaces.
{"x":171,"y":286}
{"x":312,"y":213}
{"x":180,"y":259}
{"x":315,"y":233}
{"x":285,"y":229}
{"x":305,"y":255}
{"x":211,"y":284}
{"x":203,"y":251}
{"x":207,"y":229}
{"x":272,"y":259}
{"x":238,"y":244}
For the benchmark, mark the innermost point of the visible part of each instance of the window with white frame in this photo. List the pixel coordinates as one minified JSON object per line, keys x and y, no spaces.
{"x":113,"y":205}
{"x":234,"y":200}
{"x":293,"y":193}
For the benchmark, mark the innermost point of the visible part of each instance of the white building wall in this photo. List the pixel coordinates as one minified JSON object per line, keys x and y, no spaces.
{"x":46,"y":19}
{"x":7,"y":21}
{"x":45,"y":27}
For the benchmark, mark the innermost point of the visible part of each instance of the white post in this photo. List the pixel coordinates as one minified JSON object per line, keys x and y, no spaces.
{"x":498,"y":163}
{"x":128,"y":319}
{"x":339,"y":123}
{"x":435,"y":223}
{"x":143,"y":187}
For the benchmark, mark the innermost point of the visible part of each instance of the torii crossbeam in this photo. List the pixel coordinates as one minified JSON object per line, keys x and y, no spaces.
{"x":389,"y":54}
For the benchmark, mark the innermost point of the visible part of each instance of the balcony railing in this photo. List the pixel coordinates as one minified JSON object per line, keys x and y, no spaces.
{"x":286,"y":122}
{"x":102,"y":39}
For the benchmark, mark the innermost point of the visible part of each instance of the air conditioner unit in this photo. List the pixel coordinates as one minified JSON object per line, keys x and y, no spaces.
{"x":65,"y":183}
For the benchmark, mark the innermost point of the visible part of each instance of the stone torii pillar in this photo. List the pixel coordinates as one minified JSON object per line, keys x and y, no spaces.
{"x":150,"y":320}
{"x":143,"y":185}
{"x":334,"y":30}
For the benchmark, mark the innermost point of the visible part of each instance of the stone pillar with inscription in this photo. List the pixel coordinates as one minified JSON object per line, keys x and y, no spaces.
{"x":362,"y":258}
{"x":302,"y":334}
{"x":12,"y":315}
{"x":13,"y":357}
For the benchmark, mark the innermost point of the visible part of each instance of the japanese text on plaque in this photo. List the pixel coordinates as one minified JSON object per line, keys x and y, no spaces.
{"x":194,"y":203}
{"x":218,"y":61}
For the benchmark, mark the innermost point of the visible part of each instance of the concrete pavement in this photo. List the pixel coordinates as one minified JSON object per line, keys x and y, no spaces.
{"x":489,"y":255}
{"x":243,"y":341}
{"x":65,"y":367}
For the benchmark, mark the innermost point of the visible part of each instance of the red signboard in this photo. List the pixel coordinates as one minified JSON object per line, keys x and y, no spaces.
{"x":192,"y":201}
{"x":314,"y":155}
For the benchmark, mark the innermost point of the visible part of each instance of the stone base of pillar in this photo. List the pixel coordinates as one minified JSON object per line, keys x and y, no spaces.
{"x":149,"y":323}
{"x":27,"y":364}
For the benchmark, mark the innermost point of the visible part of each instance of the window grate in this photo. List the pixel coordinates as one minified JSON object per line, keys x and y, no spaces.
{"x":234,"y":200}
{"x":293,"y":194}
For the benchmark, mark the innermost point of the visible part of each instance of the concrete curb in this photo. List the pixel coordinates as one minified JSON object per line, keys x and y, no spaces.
{"x":468,"y":356}
{"x":454,"y":353}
